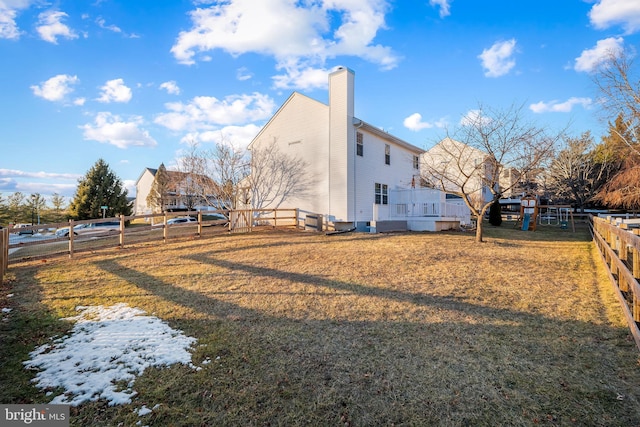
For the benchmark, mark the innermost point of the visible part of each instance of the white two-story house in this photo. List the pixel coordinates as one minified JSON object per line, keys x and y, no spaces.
{"x":352,"y":166}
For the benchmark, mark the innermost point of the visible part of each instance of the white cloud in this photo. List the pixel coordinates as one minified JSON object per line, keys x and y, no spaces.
{"x":45,"y":175}
{"x":8,"y":13}
{"x":236,"y":136}
{"x":498,"y":59}
{"x":115,"y":91}
{"x":298,"y":77}
{"x":414,"y":122}
{"x":607,"y":13}
{"x":560,"y":107}
{"x":206,"y":112}
{"x":56,"y":88}
{"x":591,"y":58}
{"x":102,"y":23}
{"x":50,"y":26}
{"x":445,"y":6}
{"x":171,"y":87}
{"x":288,"y":31}
{"x":243,"y":74}
{"x":111,"y":129}
{"x":474,"y":118}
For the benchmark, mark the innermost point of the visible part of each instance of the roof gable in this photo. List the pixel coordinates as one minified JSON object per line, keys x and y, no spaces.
{"x":294,"y":98}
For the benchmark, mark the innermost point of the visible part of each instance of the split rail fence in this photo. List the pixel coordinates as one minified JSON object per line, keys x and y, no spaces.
{"x":619,"y":246}
{"x":40,"y":241}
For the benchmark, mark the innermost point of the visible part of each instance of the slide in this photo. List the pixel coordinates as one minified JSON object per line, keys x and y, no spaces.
{"x":525,"y":221}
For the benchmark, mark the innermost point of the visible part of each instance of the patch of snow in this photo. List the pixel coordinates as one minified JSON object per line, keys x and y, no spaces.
{"x":7,"y":310}
{"x":144,"y":411}
{"x":107,"y":345}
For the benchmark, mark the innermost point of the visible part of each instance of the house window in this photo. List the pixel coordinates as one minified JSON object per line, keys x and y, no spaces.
{"x":416,"y":162}
{"x":387,"y":154}
{"x":359,"y":144}
{"x":382,"y":194}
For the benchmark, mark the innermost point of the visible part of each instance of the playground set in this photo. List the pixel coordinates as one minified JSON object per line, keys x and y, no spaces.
{"x":531,"y":212}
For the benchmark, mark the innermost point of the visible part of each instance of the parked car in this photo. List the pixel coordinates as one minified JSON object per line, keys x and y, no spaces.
{"x":89,"y":228}
{"x":215,"y":218}
{"x":182,"y":220}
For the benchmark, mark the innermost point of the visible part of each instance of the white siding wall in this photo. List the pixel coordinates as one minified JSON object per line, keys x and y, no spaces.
{"x":371,"y":169}
{"x":143,"y":187}
{"x":300,"y":129}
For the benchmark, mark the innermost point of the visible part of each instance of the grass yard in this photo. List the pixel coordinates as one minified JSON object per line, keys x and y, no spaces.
{"x":304,"y":329}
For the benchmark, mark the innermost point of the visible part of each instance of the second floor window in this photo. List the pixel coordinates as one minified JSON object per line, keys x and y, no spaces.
{"x":387,"y":154}
{"x":359,"y":144}
{"x":416,"y":162}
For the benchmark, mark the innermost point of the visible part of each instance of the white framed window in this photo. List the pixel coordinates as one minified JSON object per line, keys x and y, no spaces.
{"x":381,"y":194}
{"x":359,"y":144}
{"x":387,"y":154}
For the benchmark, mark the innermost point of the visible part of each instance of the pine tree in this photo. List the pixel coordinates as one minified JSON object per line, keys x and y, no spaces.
{"x":495,"y":213}
{"x":99,"y":187}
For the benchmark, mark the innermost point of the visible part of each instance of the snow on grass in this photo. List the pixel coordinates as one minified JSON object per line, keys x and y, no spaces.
{"x":107,"y":345}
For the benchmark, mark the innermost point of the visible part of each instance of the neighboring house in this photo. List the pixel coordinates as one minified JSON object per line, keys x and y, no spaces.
{"x":352,"y":165}
{"x":184,"y":192}
{"x":451,"y":164}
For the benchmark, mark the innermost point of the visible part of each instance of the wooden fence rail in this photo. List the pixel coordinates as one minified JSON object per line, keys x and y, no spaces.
{"x":41,"y":240}
{"x":619,"y":247}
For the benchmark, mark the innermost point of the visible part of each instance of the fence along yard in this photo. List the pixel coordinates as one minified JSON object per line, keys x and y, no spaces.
{"x":35,"y":241}
{"x":619,"y":246}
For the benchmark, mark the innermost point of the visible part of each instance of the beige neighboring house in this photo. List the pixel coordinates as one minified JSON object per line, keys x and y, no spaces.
{"x":455,"y":164}
{"x":353,"y":166}
{"x":180,"y":188}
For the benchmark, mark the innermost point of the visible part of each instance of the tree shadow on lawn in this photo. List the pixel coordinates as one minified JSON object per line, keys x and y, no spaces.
{"x":482,"y":366}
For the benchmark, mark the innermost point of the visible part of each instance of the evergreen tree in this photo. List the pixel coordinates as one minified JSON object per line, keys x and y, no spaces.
{"x":495,"y":213}
{"x":99,"y":187}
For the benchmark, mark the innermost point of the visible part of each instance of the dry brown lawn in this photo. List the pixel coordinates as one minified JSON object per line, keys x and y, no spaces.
{"x":304,"y":329}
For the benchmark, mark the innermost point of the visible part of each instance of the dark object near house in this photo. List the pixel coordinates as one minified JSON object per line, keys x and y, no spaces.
{"x":495,"y":214}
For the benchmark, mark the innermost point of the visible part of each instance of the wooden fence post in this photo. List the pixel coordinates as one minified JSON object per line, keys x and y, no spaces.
{"x":199,"y":223}
{"x":165,"y":230}
{"x":70,"y":238}
{"x":121,"y":231}
{"x":4,"y":241}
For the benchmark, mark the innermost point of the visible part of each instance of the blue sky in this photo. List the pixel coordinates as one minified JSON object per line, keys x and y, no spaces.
{"x":132,"y":81}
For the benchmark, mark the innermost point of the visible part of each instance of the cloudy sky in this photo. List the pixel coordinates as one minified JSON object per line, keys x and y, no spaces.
{"x":132,"y":81}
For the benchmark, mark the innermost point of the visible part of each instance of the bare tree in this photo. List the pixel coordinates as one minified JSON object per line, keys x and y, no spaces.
{"x":488,"y":143}
{"x":275,"y":176}
{"x":619,"y":87}
{"x":15,"y":202}
{"x":158,"y":197}
{"x":579,"y":170}
{"x":192,"y":184}
{"x":229,"y":166}
{"x":57,"y":201}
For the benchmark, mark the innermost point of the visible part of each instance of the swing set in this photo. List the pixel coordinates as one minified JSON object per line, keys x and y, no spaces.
{"x":530,"y":215}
